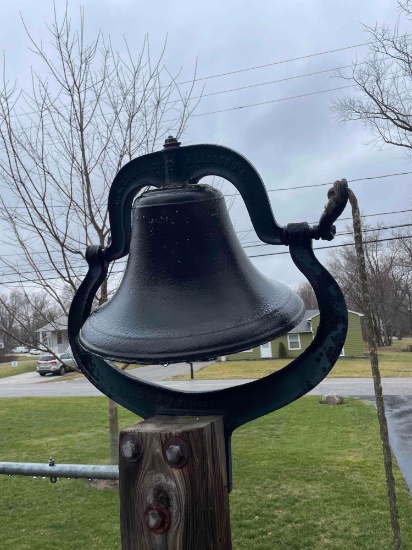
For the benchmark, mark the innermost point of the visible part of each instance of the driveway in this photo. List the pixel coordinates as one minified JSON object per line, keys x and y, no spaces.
{"x":25,"y":378}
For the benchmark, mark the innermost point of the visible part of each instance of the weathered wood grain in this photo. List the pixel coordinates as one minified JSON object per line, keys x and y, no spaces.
{"x":194,"y":495}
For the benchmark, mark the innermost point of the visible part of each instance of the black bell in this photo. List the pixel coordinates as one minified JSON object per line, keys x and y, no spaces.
{"x":189,"y":291}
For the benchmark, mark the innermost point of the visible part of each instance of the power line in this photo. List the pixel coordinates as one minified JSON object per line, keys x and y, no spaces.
{"x":171,"y":120}
{"x":251,"y":256}
{"x":255,"y":85}
{"x":249,"y":245}
{"x":283,"y":61}
{"x":62,"y":267}
{"x":22,"y":255}
{"x":230,"y":90}
{"x":279,"y":62}
{"x":275,"y":81}
{"x":40,"y":253}
{"x":381,"y":176}
{"x":223,"y":92}
{"x":336,"y":246}
{"x":376,"y":214}
{"x":239,"y":107}
{"x":268,"y":102}
{"x":345,"y":219}
{"x":328,"y":183}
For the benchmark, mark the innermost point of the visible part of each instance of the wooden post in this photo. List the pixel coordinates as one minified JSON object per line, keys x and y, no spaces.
{"x":376,"y":374}
{"x":173,"y":486}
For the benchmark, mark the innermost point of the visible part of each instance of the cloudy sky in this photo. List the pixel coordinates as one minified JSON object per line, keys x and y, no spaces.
{"x":291,"y":142}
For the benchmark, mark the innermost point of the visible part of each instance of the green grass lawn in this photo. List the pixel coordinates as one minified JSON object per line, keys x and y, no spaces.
{"x":24,"y":365}
{"x":309,"y":476}
{"x":392,"y":362}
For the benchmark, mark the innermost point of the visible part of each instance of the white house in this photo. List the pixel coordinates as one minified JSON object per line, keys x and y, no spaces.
{"x":54,"y":335}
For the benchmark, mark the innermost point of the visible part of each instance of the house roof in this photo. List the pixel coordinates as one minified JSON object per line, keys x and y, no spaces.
{"x":305,"y":325}
{"x":58,"y":325}
{"x":309,"y":317}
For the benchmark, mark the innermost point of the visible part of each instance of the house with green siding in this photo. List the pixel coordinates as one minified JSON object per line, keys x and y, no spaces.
{"x":301,"y":336}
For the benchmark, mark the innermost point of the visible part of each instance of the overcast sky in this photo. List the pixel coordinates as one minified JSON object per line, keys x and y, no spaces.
{"x":292,"y":142}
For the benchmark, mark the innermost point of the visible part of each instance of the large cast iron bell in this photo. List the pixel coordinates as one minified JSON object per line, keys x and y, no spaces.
{"x":189,"y":291}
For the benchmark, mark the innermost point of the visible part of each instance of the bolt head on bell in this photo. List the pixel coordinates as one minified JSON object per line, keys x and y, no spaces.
{"x":189,"y":291}
{"x":170,"y":142}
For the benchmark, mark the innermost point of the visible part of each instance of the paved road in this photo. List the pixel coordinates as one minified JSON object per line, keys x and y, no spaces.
{"x":31,"y":384}
{"x":348,"y":387}
{"x":397,"y":391}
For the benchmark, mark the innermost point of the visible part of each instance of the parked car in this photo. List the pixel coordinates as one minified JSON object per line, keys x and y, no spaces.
{"x":35,"y":351}
{"x":20,"y":349}
{"x":49,"y":364}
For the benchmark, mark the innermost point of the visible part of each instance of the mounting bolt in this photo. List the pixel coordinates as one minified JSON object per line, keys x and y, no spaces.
{"x":157,"y":518}
{"x":176,"y":452}
{"x":131,"y":447}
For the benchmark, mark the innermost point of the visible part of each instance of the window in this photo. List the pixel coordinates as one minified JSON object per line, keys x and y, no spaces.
{"x":247,"y":350}
{"x":59,"y":338}
{"x":342,"y":353}
{"x":293,"y":341}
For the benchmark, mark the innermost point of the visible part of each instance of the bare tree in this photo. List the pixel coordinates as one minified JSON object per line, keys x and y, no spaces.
{"x":389,"y":282}
{"x":84,"y":112}
{"x":404,"y":259}
{"x":22,"y":315}
{"x":382,"y":98}
{"x":308,"y":296}
{"x":9,"y":308}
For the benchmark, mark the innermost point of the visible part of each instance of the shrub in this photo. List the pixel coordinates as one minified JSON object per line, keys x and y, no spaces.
{"x":282,"y":351}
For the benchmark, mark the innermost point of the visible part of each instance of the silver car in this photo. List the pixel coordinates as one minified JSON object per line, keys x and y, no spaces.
{"x":49,"y":364}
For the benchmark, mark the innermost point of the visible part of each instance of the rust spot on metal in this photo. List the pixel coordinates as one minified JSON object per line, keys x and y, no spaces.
{"x":157,"y":518}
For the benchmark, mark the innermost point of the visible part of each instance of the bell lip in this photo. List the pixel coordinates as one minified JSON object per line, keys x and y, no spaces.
{"x":206,"y":353}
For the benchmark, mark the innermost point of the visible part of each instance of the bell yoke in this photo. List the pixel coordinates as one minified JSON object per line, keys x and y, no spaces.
{"x":190,"y":293}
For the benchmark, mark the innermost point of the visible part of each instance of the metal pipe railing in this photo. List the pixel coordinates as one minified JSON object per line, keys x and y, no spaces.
{"x":87,"y":471}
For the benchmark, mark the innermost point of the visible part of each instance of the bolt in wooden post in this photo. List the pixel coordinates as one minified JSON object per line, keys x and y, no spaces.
{"x":173,"y":486}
